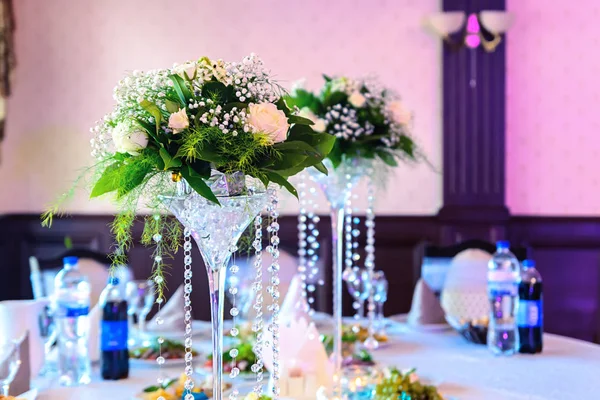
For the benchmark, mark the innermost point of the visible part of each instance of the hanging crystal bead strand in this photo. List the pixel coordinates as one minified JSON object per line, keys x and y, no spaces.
{"x":257,"y":325}
{"x":187,"y":308}
{"x":273,"y":290}
{"x":313,"y":248}
{"x":234,"y":312}
{"x":160,"y":360}
{"x":302,"y":236}
{"x":349,"y":255}
{"x":370,"y":343}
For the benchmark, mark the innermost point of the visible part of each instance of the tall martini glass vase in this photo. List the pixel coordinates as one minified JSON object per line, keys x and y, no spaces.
{"x":337,"y":186}
{"x":216,"y":230}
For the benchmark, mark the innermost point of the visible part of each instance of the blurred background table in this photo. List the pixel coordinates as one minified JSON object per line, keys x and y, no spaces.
{"x":567,"y":369}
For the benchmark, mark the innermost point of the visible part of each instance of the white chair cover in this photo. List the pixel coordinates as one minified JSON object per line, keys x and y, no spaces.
{"x":464,"y":296}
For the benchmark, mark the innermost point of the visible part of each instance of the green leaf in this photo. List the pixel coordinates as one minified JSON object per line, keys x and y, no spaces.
{"x":169,"y":382}
{"x":170,"y":162}
{"x":296,"y":146}
{"x":282,"y":105}
{"x":173,"y":106}
{"x":151,"y":389}
{"x":321,"y":168}
{"x":303,"y":98}
{"x":108,"y":182}
{"x":327,"y":78}
{"x":335,"y":98}
{"x":209,"y":153}
{"x":198,"y":184}
{"x":181,"y":88}
{"x":295,"y":119}
{"x":154,"y":111}
{"x":280,"y":180}
{"x":322,"y":142}
{"x":387,"y":158}
{"x":336,"y":154}
{"x":218,"y":91}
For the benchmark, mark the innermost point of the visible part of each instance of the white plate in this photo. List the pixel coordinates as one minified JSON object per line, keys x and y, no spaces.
{"x":403,"y":319}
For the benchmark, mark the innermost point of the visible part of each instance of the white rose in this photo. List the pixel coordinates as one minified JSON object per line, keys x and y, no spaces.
{"x":319,"y":124}
{"x":399,"y":113}
{"x":189,"y":69}
{"x":178,"y":121}
{"x":357,"y":99}
{"x":129,"y":141}
{"x":268,"y":119}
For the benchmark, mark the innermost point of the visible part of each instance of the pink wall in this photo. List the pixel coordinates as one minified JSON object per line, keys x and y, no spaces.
{"x":553,"y":115}
{"x":71,"y":53}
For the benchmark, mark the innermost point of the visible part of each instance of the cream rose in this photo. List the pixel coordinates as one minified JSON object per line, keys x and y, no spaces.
{"x":399,"y":113}
{"x":357,"y":99}
{"x":129,"y":141}
{"x":187,"y":70}
{"x":268,"y":119}
{"x":319,"y":124}
{"x":178,"y":121}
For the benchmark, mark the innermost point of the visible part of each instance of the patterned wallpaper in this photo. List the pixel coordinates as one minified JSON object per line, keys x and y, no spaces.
{"x":553,"y":122}
{"x":71,"y":54}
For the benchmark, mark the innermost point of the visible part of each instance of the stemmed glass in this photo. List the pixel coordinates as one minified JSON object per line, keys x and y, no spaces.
{"x":10,"y":361}
{"x":359,"y":286}
{"x":140,"y":299}
{"x":380,"y":291}
{"x":48,"y":333}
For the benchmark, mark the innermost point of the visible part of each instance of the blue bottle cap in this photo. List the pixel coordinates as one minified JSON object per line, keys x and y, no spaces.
{"x":72,"y":260}
{"x":113,"y":280}
{"x":528,"y":264}
{"x":502,"y":244}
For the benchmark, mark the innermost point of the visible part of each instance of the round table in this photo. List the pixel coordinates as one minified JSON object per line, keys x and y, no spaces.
{"x":567,"y":369}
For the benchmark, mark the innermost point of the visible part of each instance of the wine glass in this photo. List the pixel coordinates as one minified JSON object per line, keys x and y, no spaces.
{"x":48,"y":333}
{"x":10,"y":361}
{"x":140,"y":299}
{"x":380,"y":289}
{"x":359,"y":286}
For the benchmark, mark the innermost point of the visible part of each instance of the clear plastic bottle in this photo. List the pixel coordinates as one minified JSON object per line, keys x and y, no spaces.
{"x":503,"y":281}
{"x":72,"y":305}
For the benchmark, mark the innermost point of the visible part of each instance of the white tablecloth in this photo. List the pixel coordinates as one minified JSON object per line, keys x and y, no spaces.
{"x":567,"y":369}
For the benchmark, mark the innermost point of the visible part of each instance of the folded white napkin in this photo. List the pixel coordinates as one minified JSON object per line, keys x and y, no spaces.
{"x":22,"y":379}
{"x":16,"y":316}
{"x":95,"y":317}
{"x":172,"y":314}
{"x":301,"y":354}
{"x":425,"y":308}
{"x":294,"y":306}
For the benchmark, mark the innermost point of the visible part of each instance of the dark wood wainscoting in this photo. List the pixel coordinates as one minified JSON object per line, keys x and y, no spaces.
{"x":567,"y":251}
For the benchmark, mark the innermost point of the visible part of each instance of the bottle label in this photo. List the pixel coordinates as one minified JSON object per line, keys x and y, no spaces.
{"x":114,"y":335}
{"x":72,"y":311}
{"x":501,"y":289}
{"x":530,"y":314}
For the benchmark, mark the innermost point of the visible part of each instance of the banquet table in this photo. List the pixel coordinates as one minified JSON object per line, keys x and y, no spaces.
{"x":567,"y":369}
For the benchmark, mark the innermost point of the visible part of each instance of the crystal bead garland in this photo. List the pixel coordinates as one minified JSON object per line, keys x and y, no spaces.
{"x":160,"y":360}
{"x":308,"y":244}
{"x":273,"y":290}
{"x":349,"y":253}
{"x":234,"y":312}
{"x":257,"y":325}
{"x":370,"y":343}
{"x":187,"y":308}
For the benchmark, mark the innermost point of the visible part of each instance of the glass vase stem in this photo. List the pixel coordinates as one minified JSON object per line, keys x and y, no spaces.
{"x":216,"y":281}
{"x":337,"y":230}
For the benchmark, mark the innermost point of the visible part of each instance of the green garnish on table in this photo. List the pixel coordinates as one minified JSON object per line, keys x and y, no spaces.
{"x":398,"y":386}
{"x":170,"y":349}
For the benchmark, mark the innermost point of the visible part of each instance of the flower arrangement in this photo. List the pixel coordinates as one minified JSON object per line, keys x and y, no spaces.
{"x":186,"y":122}
{"x":367,"y":120}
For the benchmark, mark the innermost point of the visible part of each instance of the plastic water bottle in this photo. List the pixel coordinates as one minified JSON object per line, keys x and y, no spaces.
{"x":72,"y":305}
{"x":503,"y":280}
{"x":114,"y":331}
{"x":530,"y":313}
